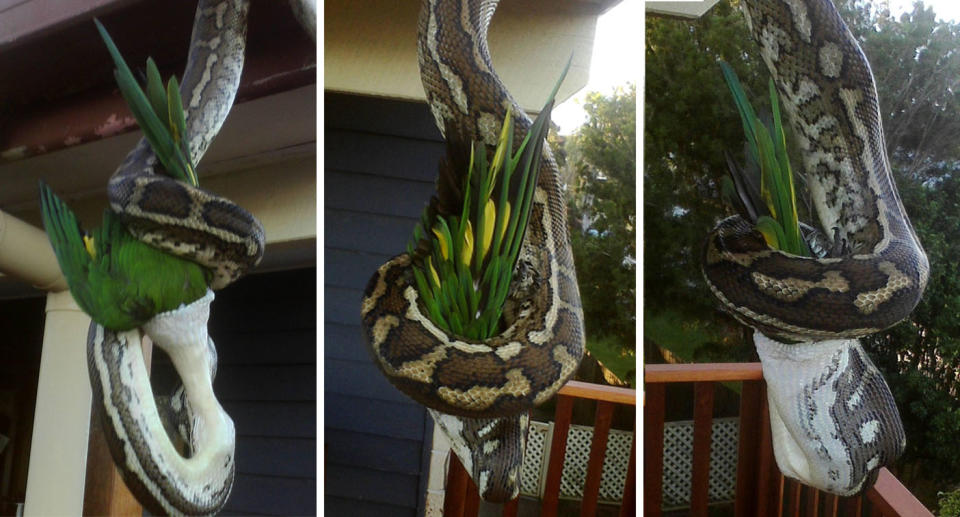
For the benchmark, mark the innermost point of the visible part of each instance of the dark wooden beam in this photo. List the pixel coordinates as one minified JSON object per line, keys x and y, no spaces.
{"x":105,"y":492}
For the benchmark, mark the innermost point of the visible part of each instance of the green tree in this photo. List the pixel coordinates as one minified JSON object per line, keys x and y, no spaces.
{"x":602,"y":218}
{"x":917,"y":69}
{"x":920,"y":358}
{"x":690,"y":120}
{"x":949,"y":504}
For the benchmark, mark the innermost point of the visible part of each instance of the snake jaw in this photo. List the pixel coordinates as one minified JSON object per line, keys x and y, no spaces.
{"x":182,"y":334}
{"x":833,"y":419}
{"x":162,"y":479}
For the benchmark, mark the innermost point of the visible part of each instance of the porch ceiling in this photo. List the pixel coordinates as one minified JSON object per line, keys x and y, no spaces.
{"x":66,"y":123}
{"x":58,"y":88}
{"x":370,"y":46}
{"x":682,"y":9}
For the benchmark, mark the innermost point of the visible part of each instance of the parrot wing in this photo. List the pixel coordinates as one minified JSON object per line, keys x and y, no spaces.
{"x":67,"y":240}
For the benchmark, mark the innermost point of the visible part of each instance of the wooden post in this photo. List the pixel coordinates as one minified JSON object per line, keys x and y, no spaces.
{"x":511,"y":508}
{"x":745,"y":502}
{"x":628,"y":506}
{"x":653,"y":416}
{"x":105,"y":493}
{"x":598,"y":450}
{"x":58,"y":449}
{"x":558,"y":449}
{"x":456,"y":491}
{"x":702,"y":435}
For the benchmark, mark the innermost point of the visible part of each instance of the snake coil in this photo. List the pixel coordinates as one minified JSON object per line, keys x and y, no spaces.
{"x":830,"y":98}
{"x":481,"y":386}
{"x":196,"y":477}
{"x":835,"y":422}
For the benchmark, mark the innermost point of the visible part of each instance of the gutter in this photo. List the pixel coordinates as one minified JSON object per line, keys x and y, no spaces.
{"x":25,"y":253}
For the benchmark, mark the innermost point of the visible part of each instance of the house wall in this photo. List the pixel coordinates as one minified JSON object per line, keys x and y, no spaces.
{"x":379,"y":167}
{"x":370,"y":47}
{"x":265,"y":329}
{"x":21,"y":324}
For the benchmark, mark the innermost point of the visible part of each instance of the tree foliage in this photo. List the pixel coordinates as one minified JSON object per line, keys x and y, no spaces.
{"x":690,"y":122}
{"x":949,"y":504}
{"x":602,"y":218}
{"x":916,"y":63}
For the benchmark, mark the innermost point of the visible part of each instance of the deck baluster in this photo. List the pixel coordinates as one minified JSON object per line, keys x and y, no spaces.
{"x":628,"y":504}
{"x":702,"y":436}
{"x":598,"y":451}
{"x":654,"y":412}
{"x":558,"y":449}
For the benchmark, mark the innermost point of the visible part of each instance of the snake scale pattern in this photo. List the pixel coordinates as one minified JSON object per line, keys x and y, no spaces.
{"x":176,"y":453}
{"x":830,"y":98}
{"x":479,"y":392}
{"x":839,"y":424}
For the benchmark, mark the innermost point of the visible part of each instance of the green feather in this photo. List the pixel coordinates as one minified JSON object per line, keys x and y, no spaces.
{"x":117,"y":280}
{"x":767,"y":148}
{"x":494,"y":202}
{"x":178,"y":127}
{"x":155,"y":93}
{"x":155,"y":129}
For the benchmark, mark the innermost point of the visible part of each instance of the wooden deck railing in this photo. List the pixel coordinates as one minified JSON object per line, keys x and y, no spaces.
{"x":760,"y":488}
{"x":462,"y":499}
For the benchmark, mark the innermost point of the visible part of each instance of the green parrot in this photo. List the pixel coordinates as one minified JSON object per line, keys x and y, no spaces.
{"x":116,"y":279}
{"x":763,"y":190}
{"x":463,"y":265}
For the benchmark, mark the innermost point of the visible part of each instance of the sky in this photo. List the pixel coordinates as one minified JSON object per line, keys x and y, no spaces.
{"x":617,"y":50}
{"x":944,"y":9}
{"x":618,"y":44}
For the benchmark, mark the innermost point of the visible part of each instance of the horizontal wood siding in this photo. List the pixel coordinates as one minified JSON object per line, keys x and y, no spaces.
{"x":264,"y":327}
{"x":380,"y":163}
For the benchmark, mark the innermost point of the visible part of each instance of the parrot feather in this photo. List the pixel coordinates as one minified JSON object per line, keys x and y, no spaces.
{"x":124,"y":282}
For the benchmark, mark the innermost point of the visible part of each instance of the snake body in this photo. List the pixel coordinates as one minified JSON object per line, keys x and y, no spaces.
{"x":830,"y":97}
{"x":486,"y":383}
{"x":196,"y":477}
{"x":187,"y":221}
{"x":835,"y":422}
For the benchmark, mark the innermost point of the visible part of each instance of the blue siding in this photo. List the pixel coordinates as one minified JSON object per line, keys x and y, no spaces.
{"x":265,"y":329}
{"x":380,"y":162}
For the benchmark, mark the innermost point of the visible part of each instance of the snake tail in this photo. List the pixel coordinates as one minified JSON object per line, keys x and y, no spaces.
{"x":490,"y":450}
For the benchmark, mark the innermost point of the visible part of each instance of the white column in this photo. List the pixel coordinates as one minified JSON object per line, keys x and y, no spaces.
{"x":61,"y":424}
{"x":437,"y":478}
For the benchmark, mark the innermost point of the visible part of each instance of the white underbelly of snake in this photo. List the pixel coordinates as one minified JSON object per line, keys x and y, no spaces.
{"x":480,"y":392}
{"x":834,"y":420}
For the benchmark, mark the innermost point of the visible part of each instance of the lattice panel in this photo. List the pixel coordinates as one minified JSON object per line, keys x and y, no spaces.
{"x":678,"y":461}
{"x":613,"y":474}
{"x":533,"y":469}
{"x":615,"y":464}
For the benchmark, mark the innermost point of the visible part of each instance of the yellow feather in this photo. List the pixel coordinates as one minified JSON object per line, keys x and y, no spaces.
{"x":88,"y":243}
{"x":467,"y":254}
{"x":443,"y":244}
{"x":433,"y":272}
{"x":489,"y":218}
